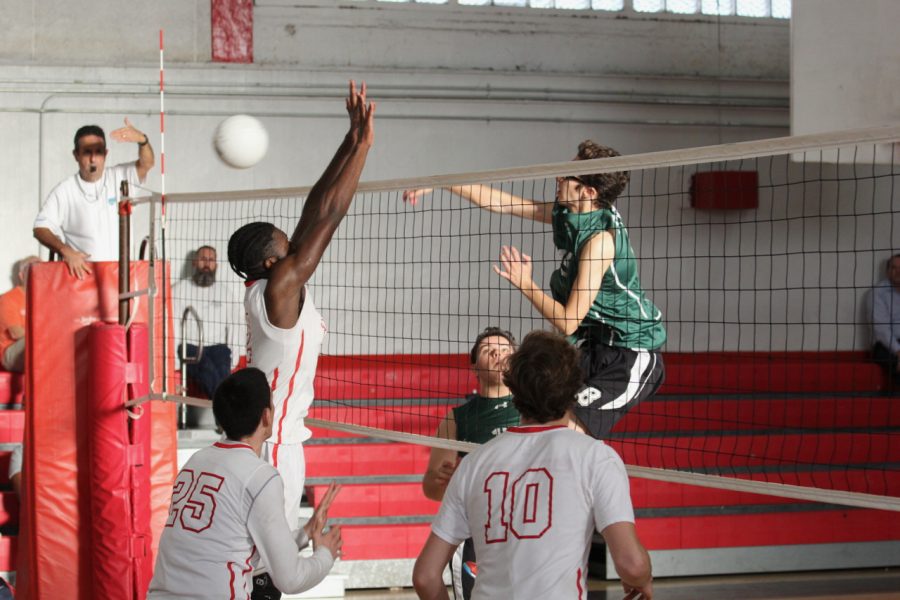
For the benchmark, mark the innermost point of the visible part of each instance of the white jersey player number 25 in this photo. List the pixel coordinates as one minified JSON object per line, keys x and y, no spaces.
{"x":194,"y":500}
{"x":530,"y":502}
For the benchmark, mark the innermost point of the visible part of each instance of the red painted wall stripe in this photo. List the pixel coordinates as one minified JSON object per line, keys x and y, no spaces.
{"x":232,"y":31}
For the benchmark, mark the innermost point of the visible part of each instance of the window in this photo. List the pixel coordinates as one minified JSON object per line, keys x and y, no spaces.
{"x":778,"y":9}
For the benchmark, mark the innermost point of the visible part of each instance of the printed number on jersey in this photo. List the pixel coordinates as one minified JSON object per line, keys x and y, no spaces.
{"x":522,"y":506}
{"x":194,"y":500}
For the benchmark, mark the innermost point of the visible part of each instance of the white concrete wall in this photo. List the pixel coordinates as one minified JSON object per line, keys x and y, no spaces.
{"x":458,"y":89}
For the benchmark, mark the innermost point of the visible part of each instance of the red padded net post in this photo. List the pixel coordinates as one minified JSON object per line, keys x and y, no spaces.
{"x":55,"y":558}
{"x":110,"y":486}
{"x":140,"y":437}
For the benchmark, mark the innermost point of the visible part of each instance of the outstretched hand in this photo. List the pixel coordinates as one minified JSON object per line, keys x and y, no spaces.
{"x":361,"y":114}
{"x":320,"y":515}
{"x":315,"y":527}
{"x":412,"y":197}
{"x":129,"y":133}
{"x":515,"y":267}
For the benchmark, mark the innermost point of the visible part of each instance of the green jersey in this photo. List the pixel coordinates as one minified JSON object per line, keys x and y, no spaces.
{"x":621,"y":314}
{"x":481,"y":419}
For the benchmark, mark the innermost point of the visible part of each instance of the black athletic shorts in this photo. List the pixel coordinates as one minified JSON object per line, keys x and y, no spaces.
{"x":264,"y":588}
{"x":617,"y":380}
{"x":463,"y":570}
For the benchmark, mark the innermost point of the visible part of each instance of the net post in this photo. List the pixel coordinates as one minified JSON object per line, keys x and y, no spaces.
{"x":151,"y":299}
{"x":125,"y":208}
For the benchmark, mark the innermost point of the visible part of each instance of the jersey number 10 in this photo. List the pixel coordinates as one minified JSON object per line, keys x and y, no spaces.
{"x":530,"y":505}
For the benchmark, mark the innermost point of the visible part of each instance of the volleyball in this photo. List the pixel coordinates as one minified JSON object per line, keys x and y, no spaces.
{"x":241,"y":141}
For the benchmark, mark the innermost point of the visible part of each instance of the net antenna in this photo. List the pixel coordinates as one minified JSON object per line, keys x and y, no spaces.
{"x":768,"y":387}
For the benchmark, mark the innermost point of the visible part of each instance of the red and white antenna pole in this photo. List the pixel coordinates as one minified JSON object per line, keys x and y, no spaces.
{"x":162,"y":125}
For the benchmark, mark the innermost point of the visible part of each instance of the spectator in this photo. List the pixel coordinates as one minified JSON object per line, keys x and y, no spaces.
{"x":218,"y":307}
{"x":79,"y":220}
{"x":12,"y":318}
{"x":886,"y":322}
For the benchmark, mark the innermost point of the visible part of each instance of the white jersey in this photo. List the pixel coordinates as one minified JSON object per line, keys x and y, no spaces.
{"x":288,"y":357}
{"x":225,"y":514}
{"x":530,"y":499}
{"x":85,"y":215}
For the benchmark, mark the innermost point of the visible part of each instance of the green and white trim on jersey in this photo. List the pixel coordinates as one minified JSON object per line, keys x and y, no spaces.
{"x":621,"y":314}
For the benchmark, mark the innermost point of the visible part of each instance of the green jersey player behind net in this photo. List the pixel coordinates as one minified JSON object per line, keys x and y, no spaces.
{"x":483,"y":416}
{"x":595,"y":298}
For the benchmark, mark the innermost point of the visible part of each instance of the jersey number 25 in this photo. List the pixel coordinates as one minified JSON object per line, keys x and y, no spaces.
{"x":194,"y":500}
{"x":530,"y":505}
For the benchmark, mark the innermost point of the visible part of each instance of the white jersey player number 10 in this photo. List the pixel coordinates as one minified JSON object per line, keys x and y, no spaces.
{"x":530,"y":504}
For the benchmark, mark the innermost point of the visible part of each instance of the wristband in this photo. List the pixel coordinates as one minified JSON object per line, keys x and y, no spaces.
{"x":145,"y":142}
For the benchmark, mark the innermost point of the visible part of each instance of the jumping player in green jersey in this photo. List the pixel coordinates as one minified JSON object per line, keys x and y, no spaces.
{"x":482,"y":417}
{"x":595,"y":295}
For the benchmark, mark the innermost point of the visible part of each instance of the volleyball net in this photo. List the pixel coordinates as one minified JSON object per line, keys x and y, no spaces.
{"x":761,"y":255}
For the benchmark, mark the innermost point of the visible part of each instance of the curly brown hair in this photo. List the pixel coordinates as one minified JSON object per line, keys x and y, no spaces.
{"x":608,"y":185}
{"x":544,"y":375}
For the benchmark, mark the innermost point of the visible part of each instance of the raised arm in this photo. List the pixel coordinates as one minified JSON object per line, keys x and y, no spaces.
{"x":146,"y":159}
{"x":492,"y":199}
{"x":594,"y":261}
{"x":325,"y":207}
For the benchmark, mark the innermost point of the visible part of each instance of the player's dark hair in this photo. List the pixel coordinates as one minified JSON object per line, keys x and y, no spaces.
{"x":89,"y":130}
{"x":608,"y":185}
{"x":490,"y":332}
{"x":240,"y":400}
{"x":544,"y":375}
{"x":249,"y":247}
{"x":206,"y":247}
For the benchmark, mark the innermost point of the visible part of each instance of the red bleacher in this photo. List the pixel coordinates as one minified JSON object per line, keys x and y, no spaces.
{"x":12,"y":388}
{"x":738,"y":413}
{"x":12,"y":426}
{"x":385,"y":515}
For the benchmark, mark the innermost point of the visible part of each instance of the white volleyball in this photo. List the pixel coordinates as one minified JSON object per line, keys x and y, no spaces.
{"x":241,"y":141}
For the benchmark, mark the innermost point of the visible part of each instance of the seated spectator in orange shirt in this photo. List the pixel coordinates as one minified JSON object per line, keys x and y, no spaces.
{"x":12,"y":318}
